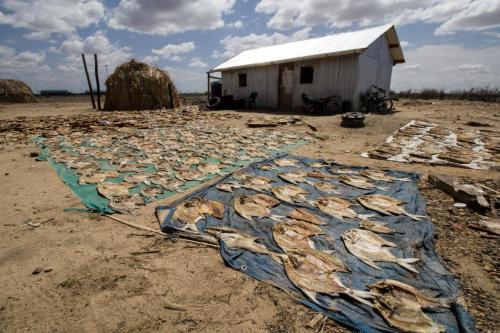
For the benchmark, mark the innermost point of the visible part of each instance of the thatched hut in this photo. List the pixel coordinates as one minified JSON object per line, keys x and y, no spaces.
{"x":137,"y":86}
{"x":15,"y":91}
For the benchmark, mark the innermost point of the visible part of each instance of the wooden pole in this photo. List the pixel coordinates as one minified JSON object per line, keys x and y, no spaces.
{"x":208,"y":86}
{"x":88,"y":81}
{"x":172,"y":105}
{"x":97,"y":83}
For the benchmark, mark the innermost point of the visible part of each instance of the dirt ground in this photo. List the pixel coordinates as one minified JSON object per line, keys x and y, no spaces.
{"x":81,"y":272}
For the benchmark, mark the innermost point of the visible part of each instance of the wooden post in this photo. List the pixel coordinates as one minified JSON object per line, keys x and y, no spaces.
{"x":208,"y":87}
{"x":88,"y":81}
{"x":172,"y":104}
{"x":97,"y":83}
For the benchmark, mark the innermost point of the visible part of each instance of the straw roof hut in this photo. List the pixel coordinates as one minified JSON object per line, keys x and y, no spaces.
{"x":15,"y":91}
{"x":137,"y":86}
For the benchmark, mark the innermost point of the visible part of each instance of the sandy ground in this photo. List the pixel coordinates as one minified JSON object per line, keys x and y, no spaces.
{"x":90,"y":278}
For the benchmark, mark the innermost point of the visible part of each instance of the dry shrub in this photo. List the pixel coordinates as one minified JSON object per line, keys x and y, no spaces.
{"x":15,"y":91}
{"x":485,"y":94}
{"x":137,"y":86}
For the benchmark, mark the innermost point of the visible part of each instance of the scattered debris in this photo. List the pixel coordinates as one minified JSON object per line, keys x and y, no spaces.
{"x":472,"y":196}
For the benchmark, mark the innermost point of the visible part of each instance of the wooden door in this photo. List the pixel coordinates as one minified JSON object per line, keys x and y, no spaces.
{"x":285,"y":90}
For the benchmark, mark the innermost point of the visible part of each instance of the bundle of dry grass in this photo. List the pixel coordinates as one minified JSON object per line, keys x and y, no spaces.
{"x":15,"y":91}
{"x":138,"y":86}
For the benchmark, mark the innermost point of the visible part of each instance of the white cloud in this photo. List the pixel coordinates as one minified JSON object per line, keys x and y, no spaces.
{"x":30,"y":57}
{"x":453,"y":15}
{"x":186,"y":79}
{"x":6,"y":50}
{"x":404,"y":43}
{"x":197,"y":62}
{"x":171,"y":50}
{"x":151,"y":59}
{"x":168,"y":17}
{"x":236,"y":44}
{"x":50,"y":16}
{"x":451,"y":66}
{"x":236,"y":24}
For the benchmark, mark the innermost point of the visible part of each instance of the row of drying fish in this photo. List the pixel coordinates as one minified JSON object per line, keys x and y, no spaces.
{"x":424,"y":142}
{"x":314,"y":272}
{"x":149,"y":158}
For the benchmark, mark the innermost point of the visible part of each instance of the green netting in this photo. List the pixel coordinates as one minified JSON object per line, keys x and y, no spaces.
{"x":93,"y":201}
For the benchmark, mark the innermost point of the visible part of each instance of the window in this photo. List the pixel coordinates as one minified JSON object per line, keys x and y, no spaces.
{"x":242,"y":78}
{"x":306,"y":75}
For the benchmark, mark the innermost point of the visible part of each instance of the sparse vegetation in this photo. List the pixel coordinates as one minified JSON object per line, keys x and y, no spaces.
{"x":485,"y":94}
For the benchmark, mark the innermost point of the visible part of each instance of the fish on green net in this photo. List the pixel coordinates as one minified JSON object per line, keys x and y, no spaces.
{"x":126,"y":204}
{"x":285,"y":162}
{"x":401,"y":306}
{"x":313,"y":272}
{"x":290,"y":193}
{"x":258,"y":205}
{"x":111,"y":190}
{"x":378,"y":227}
{"x":326,"y":187}
{"x":294,"y":177}
{"x":381,"y":175}
{"x":188,"y":175}
{"x":136,"y":178}
{"x":336,"y":207}
{"x":192,"y":160}
{"x":360,"y":182}
{"x":95,"y":178}
{"x":386,"y":205}
{"x":370,"y":248}
{"x":209,"y":168}
{"x":79,"y":164}
{"x":237,"y":240}
{"x":303,"y":214}
{"x":171,"y":185}
{"x":150,"y":192}
{"x":294,"y":234}
{"x":191,"y":211}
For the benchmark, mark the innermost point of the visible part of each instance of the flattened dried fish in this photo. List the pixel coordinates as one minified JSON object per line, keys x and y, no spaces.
{"x":401,"y":306}
{"x":284,"y":162}
{"x":97,"y":177}
{"x":318,"y":174}
{"x":360,"y":182}
{"x":290,"y":193}
{"x":136,"y":178}
{"x":379,"y":227}
{"x":370,"y":248}
{"x":386,"y":205}
{"x":294,"y":177}
{"x":294,"y":234}
{"x":257,"y":183}
{"x":125,"y":204}
{"x":188,"y":175}
{"x":336,"y":207}
{"x":303,"y":214}
{"x":227,"y":187}
{"x":110,"y":190}
{"x":209,"y":168}
{"x":193,"y":160}
{"x":258,"y":205}
{"x":235,"y":240}
{"x":380,"y":175}
{"x":313,"y":272}
{"x":326,"y":187}
{"x":191,"y":211}
{"x":150,"y":192}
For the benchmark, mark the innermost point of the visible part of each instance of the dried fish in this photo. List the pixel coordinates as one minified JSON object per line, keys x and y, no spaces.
{"x":360,"y":182}
{"x":258,"y":205}
{"x":125,"y":204}
{"x":97,"y":177}
{"x":370,"y":248}
{"x":303,"y":214}
{"x":111,"y":190}
{"x":336,"y":207}
{"x":386,"y":205}
{"x":136,"y":178}
{"x":290,"y":193}
{"x":294,"y":234}
{"x":381,"y":175}
{"x":150,"y":192}
{"x":227,"y":187}
{"x":193,"y":160}
{"x":284,"y":162}
{"x":191,"y":211}
{"x":235,"y":240}
{"x":379,"y":227}
{"x":326,"y":187}
{"x":189,"y":175}
{"x":258,"y":183}
{"x":209,"y":168}
{"x":168,"y":184}
{"x":313,"y":272}
{"x":294,"y":177}
{"x":401,"y":306}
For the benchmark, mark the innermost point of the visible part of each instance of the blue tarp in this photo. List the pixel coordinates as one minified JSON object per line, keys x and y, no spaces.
{"x":413,"y":239}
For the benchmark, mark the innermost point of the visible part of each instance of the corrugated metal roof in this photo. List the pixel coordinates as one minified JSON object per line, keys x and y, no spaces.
{"x":333,"y":45}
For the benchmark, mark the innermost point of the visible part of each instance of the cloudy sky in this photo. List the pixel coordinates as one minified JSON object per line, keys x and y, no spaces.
{"x":451,"y":44}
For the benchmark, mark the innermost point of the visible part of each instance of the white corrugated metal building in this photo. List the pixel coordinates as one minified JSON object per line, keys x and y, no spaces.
{"x":345,"y":64}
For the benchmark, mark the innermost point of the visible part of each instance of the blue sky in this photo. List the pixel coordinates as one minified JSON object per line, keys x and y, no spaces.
{"x":450,"y":44}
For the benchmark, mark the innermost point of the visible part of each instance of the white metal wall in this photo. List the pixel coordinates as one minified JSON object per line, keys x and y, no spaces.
{"x":375,"y":66}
